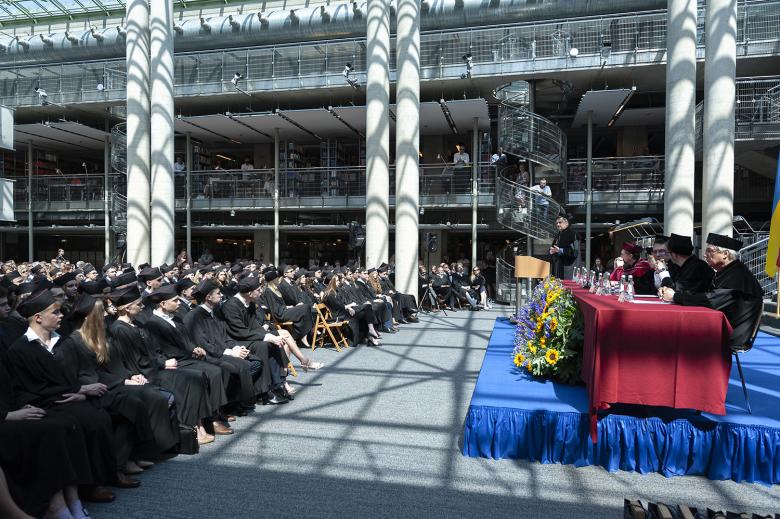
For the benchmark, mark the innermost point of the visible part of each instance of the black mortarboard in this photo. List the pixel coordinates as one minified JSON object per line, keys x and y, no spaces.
{"x":183,"y":284}
{"x":248,"y":284}
{"x":235,"y":269}
{"x":371,"y":270}
{"x":143,"y":266}
{"x":164,"y":269}
{"x":726,"y":242}
{"x":203,"y":289}
{"x":125,"y":296}
{"x":299,"y":273}
{"x":382,"y":268}
{"x":125,"y":279}
{"x":93,"y":287}
{"x":37,"y":302}
{"x":61,"y":280}
{"x":163,"y":293}
{"x":84,"y":305}
{"x":680,"y":244}
{"x":149,"y":274}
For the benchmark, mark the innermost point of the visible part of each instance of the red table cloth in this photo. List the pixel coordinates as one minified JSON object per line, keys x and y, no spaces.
{"x":653,"y":354}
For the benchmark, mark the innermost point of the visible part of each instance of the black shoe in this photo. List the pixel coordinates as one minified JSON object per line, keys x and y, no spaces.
{"x":272,"y":398}
{"x":282,"y":392}
{"x":412,"y":319}
{"x":389,"y":330}
{"x":403,"y":321}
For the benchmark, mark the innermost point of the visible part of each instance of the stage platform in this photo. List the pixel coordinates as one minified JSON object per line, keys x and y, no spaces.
{"x":513,"y":415}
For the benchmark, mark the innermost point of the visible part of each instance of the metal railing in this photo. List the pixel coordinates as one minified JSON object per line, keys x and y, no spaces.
{"x":525,"y":210}
{"x":505,"y":271}
{"x":62,"y":192}
{"x":534,"y":46}
{"x":617,"y":180}
{"x":754,"y":257}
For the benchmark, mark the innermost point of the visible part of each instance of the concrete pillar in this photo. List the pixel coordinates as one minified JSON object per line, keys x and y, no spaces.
{"x":377,"y":132}
{"x":30,"y":242}
{"x":680,"y":113}
{"x":106,"y":198}
{"x":276,"y":197}
{"x":188,"y":202}
{"x":407,"y":145}
{"x":163,"y":197}
{"x":720,"y":70}
{"x":263,"y":245}
{"x":138,"y":116}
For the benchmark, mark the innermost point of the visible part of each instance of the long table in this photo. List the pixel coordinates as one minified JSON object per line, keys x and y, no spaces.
{"x":653,"y":354}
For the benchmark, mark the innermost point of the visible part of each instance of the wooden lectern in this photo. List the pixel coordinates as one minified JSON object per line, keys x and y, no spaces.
{"x":529,"y":268}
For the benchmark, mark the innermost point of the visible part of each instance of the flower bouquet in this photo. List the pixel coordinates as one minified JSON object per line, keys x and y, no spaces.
{"x":549,"y":334}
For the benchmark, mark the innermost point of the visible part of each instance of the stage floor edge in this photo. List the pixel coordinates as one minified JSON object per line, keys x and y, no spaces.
{"x":512,"y":415}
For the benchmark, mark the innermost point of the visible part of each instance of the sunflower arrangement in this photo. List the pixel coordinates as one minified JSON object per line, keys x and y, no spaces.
{"x":549,"y":334}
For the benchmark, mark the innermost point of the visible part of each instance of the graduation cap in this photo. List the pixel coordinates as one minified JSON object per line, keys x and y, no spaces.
{"x":143,"y":266}
{"x":371,"y":270}
{"x":723,"y":241}
{"x":250,"y":283}
{"x":382,"y":268}
{"x":203,"y":289}
{"x":164,"y":293}
{"x":83,"y":306}
{"x":125,"y":296}
{"x":235,"y":269}
{"x":299,"y":274}
{"x":93,"y":287}
{"x":680,"y":244}
{"x":149,"y":274}
{"x":125,"y":278}
{"x":183,"y":284}
{"x":164,"y":269}
{"x":661,"y":239}
{"x":36,"y":303}
{"x":65,"y":278}
{"x":87,"y":268}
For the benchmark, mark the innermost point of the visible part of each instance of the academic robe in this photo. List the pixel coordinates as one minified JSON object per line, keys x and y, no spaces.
{"x":189,"y":386}
{"x":408,"y":302}
{"x":39,"y":380}
{"x":244,"y":324}
{"x":39,"y":457}
{"x":174,"y":343}
{"x":564,"y":240}
{"x":373,"y":312}
{"x":693,"y":276}
{"x":11,"y":328}
{"x":735,"y":292}
{"x":135,"y":410}
{"x":358,"y":323}
{"x":642,"y":273}
{"x":300,"y":315}
{"x":381,"y":308}
{"x":290,"y":293}
{"x":208,"y":333}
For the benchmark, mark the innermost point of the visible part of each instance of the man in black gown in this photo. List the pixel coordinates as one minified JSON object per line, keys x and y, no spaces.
{"x":734,"y":289}
{"x":692,"y":273}
{"x":562,"y":251}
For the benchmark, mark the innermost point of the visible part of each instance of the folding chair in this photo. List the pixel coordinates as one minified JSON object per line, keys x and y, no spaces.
{"x":326,"y":325}
{"x":743,"y":349}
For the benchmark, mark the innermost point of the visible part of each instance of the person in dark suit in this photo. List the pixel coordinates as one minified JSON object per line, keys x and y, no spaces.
{"x":692,"y":273}
{"x":562,"y":251}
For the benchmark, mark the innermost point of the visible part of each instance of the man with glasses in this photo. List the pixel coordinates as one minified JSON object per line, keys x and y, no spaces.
{"x":661,"y":263}
{"x":734,"y":290}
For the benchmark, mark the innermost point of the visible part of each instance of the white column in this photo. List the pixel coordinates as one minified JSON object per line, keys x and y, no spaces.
{"x":163,"y":197}
{"x":138,"y":106}
{"x":407,"y":145}
{"x":377,"y":132}
{"x":680,"y":113}
{"x":30,"y":162}
{"x":276,"y":196}
{"x":188,"y":207}
{"x":474,"y":188}
{"x":720,"y":71}
{"x":106,"y":197}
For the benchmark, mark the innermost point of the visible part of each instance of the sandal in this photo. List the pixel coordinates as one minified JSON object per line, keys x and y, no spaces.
{"x":311,"y":365}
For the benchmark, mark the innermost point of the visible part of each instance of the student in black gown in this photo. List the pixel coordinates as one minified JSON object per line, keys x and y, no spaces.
{"x":171,"y":339}
{"x":208,"y":332}
{"x":354,"y":296}
{"x":44,"y":456}
{"x":39,"y":380}
{"x":407,"y":302}
{"x":245,"y":324}
{"x":359,"y":317}
{"x":189,"y":386}
{"x":299,"y":314}
{"x":734,"y":290}
{"x":137,"y":410}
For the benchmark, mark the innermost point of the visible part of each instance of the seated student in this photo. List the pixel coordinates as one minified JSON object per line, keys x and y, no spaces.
{"x":374,"y":284}
{"x":142,"y":425}
{"x":171,"y":339}
{"x":184,"y":288}
{"x":407,"y":302}
{"x":359,"y":317}
{"x":734,"y":290}
{"x":359,"y":301}
{"x":209,"y":333}
{"x":634,"y":265}
{"x":299,"y":314}
{"x":245,"y":324}
{"x":380,"y":305}
{"x":189,"y":387}
{"x":44,"y":458}
{"x":38,"y":380}
{"x":692,"y":273}
{"x":287,"y":288}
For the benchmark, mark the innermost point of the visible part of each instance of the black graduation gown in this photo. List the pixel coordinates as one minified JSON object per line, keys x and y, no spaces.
{"x":358,"y":323}
{"x":563,"y":239}
{"x":408,"y":302}
{"x":39,"y":380}
{"x":174,"y":343}
{"x":693,"y":276}
{"x":383,"y":310}
{"x":39,"y":457}
{"x":351,"y":294}
{"x":132,"y":408}
{"x":11,"y":328}
{"x":299,"y":315}
{"x":189,"y":386}
{"x":208,"y":333}
{"x":245,"y":326}
{"x":290,"y":293}
{"x":736,"y":293}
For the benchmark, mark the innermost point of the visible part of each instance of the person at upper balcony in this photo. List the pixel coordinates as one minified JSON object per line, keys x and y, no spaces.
{"x":541,"y":198}
{"x":179,"y":167}
{"x":247,"y":165}
{"x":692,"y":273}
{"x":633,"y":265}
{"x":461,"y":157}
{"x":563,"y":251}
{"x":734,"y":289}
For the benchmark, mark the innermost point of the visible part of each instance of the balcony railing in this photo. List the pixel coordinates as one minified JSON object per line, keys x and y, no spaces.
{"x":517,"y":48}
{"x":345,"y":187}
{"x":618,"y":180}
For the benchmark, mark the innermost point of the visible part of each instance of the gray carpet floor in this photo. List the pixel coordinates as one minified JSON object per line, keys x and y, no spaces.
{"x":376,"y":434}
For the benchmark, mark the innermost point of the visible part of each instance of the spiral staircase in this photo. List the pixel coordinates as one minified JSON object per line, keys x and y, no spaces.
{"x":530,"y":137}
{"x":119,"y":186}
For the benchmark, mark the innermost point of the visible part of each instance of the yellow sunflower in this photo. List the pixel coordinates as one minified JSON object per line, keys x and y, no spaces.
{"x":531,"y":348}
{"x":519,"y":359}
{"x":552,"y":357}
